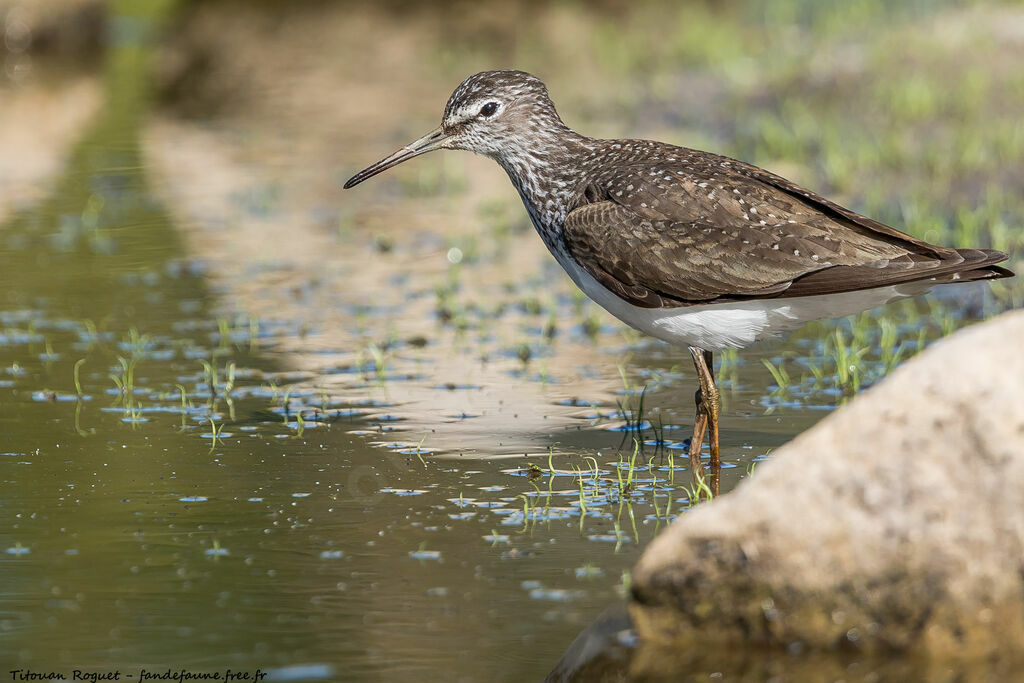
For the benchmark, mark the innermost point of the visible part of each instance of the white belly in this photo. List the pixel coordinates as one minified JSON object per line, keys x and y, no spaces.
{"x":736,"y":324}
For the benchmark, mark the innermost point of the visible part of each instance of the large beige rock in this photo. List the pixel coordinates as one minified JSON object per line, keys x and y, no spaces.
{"x":895,"y":523}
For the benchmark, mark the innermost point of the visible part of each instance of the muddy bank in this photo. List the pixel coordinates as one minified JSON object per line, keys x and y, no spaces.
{"x":72,"y":29}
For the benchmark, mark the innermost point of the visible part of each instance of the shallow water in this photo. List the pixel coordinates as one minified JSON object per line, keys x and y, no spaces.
{"x":243,"y":428}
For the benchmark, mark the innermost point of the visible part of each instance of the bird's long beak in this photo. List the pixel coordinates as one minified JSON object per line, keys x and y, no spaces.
{"x":428,"y":143}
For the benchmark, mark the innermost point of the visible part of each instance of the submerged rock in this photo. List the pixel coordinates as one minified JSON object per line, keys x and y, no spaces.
{"x":897,"y":523}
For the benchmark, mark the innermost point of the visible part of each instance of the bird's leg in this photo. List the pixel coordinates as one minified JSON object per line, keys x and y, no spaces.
{"x":708,"y":407}
{"x":700,"y":423}
{"x":713,"y":404}
{"x":700,"y":420}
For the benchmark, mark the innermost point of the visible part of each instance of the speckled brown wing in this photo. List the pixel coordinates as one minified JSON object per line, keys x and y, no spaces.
{"x":712,"y":229}
{"x":657,"y":263}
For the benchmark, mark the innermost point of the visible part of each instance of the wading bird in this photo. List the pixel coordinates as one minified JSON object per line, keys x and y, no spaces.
{"x":690,"y":247}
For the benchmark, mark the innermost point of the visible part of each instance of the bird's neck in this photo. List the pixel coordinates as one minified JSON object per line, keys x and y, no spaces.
{"x":548,"y":168}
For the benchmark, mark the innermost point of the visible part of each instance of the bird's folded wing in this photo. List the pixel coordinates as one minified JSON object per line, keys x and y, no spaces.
{"x":660,"y":237}
{"x":851,"y":220}
{"x":658,"y":263}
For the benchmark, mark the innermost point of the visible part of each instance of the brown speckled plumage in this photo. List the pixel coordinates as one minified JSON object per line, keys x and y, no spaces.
{"x":690,"y":247}
{"x":666,"y":226}
{"x":685,"y":227}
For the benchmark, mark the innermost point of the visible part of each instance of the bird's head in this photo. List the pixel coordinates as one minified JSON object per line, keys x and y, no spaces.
{"x":489,"y":113}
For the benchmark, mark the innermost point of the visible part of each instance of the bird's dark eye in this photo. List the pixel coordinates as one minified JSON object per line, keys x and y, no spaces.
{"x":489,"y":109}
